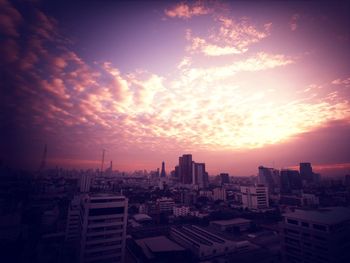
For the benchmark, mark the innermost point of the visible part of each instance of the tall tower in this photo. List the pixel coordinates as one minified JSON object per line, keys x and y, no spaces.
{"x":162,"y":173}
{"x":185,"y":169}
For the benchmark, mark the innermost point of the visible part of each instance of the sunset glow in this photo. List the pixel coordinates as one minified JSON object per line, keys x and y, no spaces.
{"x":202,"y":77}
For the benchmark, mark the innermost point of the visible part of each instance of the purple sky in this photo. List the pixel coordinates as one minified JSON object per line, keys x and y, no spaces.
{"x":236,"y":84}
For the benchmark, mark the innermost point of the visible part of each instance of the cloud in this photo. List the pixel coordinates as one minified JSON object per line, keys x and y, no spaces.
{"x":230,"y":37}
{"x":186,"y":11}
{"x":199,"y":106}
{"x":293,"y":23}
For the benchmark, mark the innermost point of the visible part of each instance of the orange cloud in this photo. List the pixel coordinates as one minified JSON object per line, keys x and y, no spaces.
{"x":185,"y":11}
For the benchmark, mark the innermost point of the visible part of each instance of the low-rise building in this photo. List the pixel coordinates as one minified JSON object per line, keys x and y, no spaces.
{"x":239,"y":224}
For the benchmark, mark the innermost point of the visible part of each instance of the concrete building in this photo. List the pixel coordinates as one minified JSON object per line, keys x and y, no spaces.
{"x":290,"y":181}
{"x":269,"y":177}
{"x":219,"y":194}
{"x":199,"y":175}
{"x":181,"y":210}
{"x":160,"y":249}
{"x":255,"y":197}
{"x":204,"y":244}
{"x":85,"y":182}
{"x":165,"y":205}
{"x":73,"y":220}
{"x":103,"y":228}
{"x":239,"y":224}
{"x":316,"y":235}
{"x":185,"y":169}
{"x":224,"y":178}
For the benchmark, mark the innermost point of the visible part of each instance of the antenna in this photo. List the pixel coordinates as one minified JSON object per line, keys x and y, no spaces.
{"x":43,"y":159}
{"x":103,"y":159}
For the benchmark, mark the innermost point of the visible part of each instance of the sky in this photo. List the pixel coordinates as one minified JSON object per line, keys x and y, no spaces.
{"x":236,"y":83}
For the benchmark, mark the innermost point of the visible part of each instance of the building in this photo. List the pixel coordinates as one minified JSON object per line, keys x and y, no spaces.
{"x":316,"y":235}
{"x":165,"y":205}
{"x":255,"y":197}
{"x":181,"y":210}
{"x":290,"y":181}
{"x":85,"y":182}
{"x":219,"y":194}
{"x":204,"y":244}
{"x":73,"y":220}
{"x":306,"y":172}
{"x":300,"y":200}
{"x":185,"y":169}
{"x":199,"y":175}
{"x":268,"y":177}
{"x":206,"y":193}
{"x":239,"y":224}
{"x":103,"y":228}
{"x":163,"y":173}
{"x":224,"y":178}
{"x":160,"y":249}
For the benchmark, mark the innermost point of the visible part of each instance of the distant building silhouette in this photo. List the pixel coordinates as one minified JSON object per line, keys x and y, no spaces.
{"x":185,"y":169}
{"x":162,"y":173}
{"x":290,"y":181}
{"x":224,"y":178}
{"x":200,"y":176}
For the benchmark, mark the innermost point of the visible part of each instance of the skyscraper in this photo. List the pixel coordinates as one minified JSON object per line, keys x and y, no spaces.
{"x":185,"y":169}
{"x":268,"y":177}
{"x":290,"y":181}
{"x":306,"y":172}
{"x":199,"y":175}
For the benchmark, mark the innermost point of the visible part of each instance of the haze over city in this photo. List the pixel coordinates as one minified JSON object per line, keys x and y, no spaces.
{"x":234,"y":83}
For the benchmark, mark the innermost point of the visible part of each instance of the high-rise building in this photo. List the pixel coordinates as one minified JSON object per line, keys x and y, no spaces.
{"x":290,"y":181}
{"x":316,"y":235}
{"x":185,"y":169}
{"x":73,"y":220}
{"x":307,"y":173}
{"x":255,"y":197}
{"x":103,"y":228}
{"x":268,"y":177}
{"x":162,"y":173}
{"x":199,"y":175}
{"x":85,"y":182}
{"x":224,"y":178}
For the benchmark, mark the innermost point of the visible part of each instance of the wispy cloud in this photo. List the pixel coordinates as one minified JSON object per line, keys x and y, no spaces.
{"x":187,"y":10}
{"x":229,"y":37}
{"x":293,"y":23}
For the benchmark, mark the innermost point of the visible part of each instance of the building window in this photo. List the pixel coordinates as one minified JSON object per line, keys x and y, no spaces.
{"x":320,"y":227}
{"x":304,"y":224}
{"x":291,"y":221}
{"x":106,"y":211}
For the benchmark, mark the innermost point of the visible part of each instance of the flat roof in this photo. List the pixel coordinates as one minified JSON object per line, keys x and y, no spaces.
{"x":330,"y":215}
{"x":231,"y":221}
{"x":142,"y":217}
{"x":160,"y":244}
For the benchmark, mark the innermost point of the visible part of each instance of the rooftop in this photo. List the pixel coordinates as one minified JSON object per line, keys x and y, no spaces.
{"x":160,"y":244}
{"x":231,"y":221}
{"x":330,"y":215}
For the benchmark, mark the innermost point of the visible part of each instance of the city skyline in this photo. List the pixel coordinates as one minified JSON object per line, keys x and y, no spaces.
{"x":236,"y":85}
